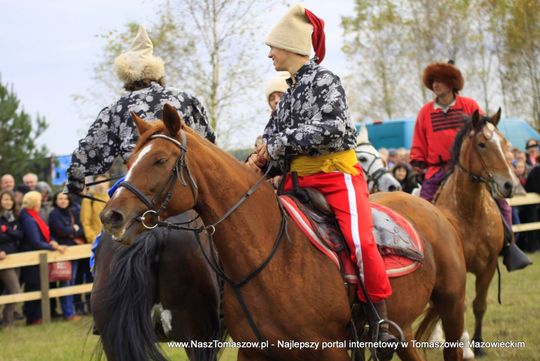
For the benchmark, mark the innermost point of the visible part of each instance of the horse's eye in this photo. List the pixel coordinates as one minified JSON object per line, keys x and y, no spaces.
{"x":161,"y":161}
{"x":482,"y":145}
{"x":363,"y":159}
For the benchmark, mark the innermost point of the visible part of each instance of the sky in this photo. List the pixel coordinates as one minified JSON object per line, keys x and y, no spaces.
{"x":48,"y":50}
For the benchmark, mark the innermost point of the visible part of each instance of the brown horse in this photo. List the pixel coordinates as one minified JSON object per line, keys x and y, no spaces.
{"x":284,"y":289}
{"x":479,"y":174}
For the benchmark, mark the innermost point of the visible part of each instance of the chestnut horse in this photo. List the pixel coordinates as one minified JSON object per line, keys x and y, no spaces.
{"x":161,"y":289}
{"x":479,"y":173}
{"x":279,"y":287}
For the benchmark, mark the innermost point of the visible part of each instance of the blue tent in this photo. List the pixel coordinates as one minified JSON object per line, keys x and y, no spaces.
{"x":398,"y":133}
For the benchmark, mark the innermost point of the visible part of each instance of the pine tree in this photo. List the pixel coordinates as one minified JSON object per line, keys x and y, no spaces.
{"x":19,"y":152}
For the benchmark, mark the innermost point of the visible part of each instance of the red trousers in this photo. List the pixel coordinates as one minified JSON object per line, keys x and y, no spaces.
{"x":349,"y":198}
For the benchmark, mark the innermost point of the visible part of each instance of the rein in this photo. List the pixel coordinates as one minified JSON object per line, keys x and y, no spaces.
{"x":378,"y":173}
{"x":178,"y":171}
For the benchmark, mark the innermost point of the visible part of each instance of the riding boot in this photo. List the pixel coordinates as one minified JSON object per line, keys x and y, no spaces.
{"x":514,"y":258}
{"x":383,"y":353}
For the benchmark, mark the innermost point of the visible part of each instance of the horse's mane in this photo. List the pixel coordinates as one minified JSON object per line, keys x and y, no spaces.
{"x":458,"y":142}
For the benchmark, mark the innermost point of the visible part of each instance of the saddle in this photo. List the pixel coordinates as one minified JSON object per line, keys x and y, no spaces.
{"x":396,"y":239}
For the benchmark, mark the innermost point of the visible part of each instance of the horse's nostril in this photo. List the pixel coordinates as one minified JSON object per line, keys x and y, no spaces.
{"x":392,"y":188}
{"x":112,"y":217}
{"x":508,"y":186}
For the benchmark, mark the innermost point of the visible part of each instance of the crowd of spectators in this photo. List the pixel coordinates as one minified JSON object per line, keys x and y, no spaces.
{"x":33,"y":218}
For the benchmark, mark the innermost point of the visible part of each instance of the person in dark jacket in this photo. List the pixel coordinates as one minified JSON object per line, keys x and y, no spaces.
{"x":10,"y":237}
{"x":66,"y":228}
{"x":530,"y":241}
{"x":36,"y":237}
{"x":404,"y":175}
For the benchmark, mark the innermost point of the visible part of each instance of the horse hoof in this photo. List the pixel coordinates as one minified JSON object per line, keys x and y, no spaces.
{"x":468,"y":354}
{"x":479,"y":352}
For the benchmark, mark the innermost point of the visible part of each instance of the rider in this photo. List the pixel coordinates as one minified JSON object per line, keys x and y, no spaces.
{"x":437,"y":124}
{"x":311,"y":125}
{"x":436,"y":127}
{"x":113,"y":133}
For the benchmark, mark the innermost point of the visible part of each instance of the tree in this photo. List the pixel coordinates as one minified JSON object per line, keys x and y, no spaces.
{"x":19,"y":152}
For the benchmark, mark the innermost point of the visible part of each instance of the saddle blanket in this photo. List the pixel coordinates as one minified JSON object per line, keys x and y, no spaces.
{"x":398,"y":242}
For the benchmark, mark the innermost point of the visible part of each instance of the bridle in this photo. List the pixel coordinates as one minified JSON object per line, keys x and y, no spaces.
{"x":377,"y":175}
{"x":150,"y":218}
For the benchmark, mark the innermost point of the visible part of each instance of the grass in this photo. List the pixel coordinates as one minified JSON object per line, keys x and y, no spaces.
{"x":515,"y":320}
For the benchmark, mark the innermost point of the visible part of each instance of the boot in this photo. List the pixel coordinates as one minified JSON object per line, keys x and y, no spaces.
{"x":383,"y":354}
{"x":514,"y":258}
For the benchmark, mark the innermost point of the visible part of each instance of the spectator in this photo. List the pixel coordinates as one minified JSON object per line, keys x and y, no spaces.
{"x":401,"y":155}
{"x":392,"y":158}
{"x":66,"y":229}
{"x":383,"y":153}
{"x":10,"y":237}
{"x":46,"y":205}
{"x":520,"y":169}
{"x":403,"y":173}
{"x":532,"y":152}
{"x":530,"y":241}
{"x":91,"y":224}
{"x":20,"y":191}
{"x":276,"y":87}
{"x":36,"y":237}
{"x":8,"y":183}
{"x":30,"y":180}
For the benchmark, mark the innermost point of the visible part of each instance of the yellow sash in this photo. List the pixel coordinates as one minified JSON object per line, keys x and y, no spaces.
{"x":341,"y":161}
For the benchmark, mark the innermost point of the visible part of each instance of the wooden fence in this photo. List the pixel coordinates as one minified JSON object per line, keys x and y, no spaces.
{"x":42,"y":259}
{"x":528,"y":199}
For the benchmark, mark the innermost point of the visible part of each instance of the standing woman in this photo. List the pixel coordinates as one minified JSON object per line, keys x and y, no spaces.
{"x":66,"y":229}
{"x":37,"y":236}
{"x":10,"y":237}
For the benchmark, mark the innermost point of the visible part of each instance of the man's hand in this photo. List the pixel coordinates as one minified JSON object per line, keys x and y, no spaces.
{"x":262,"y":152}
{"x":74,"y":186}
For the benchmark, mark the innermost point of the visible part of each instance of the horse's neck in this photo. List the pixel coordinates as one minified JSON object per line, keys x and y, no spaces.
{"x":247,"y":234}
{"x":467,"y":200}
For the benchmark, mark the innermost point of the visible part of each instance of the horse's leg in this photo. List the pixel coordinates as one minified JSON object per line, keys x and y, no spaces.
{"x":451,"y":313}
{"x":409,"y":353}
{"x":480,"y":305}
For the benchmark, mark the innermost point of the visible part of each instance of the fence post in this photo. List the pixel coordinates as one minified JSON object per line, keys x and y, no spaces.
{"x":44,"y":282}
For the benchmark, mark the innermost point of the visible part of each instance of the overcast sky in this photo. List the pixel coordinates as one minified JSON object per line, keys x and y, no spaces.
{"x":48,"y":49}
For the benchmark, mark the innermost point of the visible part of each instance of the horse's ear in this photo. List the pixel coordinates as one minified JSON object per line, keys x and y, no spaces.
{"x":172,"y":119}
{"x":363,"y":136}
{"x":496,"y":118}
{"x":477,"y":122}
{"x":142,"y":125}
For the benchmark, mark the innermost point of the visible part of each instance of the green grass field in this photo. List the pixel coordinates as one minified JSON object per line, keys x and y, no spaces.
{"x":515,"y":320}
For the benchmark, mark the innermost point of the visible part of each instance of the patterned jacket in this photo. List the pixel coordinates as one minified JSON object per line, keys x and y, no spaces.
{"x":114,"y":134}
{"x":311,"y":118}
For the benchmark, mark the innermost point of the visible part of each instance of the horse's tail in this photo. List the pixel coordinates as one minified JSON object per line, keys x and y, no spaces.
{"x":128,"y":295}
{"x":429,"y":320}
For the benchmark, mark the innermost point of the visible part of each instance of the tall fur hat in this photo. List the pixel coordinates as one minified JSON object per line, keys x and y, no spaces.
{"x":138,"y":62}
{"x":446,"y":73}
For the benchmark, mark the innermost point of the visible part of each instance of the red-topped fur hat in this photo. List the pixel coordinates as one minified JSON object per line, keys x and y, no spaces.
{"x":444,"y":72}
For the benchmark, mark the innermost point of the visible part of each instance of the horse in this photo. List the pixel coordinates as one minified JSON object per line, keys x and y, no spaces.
{"x":478,"y":174}
{"x":161,"y":289}
{"x":378,"y":177}
{"x":280,"y":291}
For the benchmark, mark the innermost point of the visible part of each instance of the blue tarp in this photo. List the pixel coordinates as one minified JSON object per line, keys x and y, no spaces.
{"x":398,"y":133}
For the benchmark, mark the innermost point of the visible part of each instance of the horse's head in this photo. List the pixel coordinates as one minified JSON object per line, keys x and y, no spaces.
{"x":378,"y":177}
{"x":157,"y":164}
{"x":480,"y":151}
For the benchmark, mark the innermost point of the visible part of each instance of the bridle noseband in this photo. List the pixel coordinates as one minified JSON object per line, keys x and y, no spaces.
{"x":150,"y":218}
